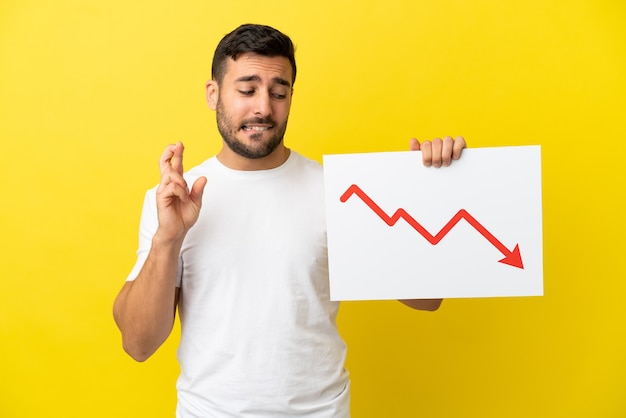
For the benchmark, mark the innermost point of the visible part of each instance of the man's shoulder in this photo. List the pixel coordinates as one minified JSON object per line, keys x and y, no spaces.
{"x":306,"y":162}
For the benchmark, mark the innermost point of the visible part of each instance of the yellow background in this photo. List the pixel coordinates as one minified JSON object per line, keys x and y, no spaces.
{"x":91,"y":91}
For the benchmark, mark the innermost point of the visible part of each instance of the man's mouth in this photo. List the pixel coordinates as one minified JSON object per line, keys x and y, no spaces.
{"x":256,"y":128}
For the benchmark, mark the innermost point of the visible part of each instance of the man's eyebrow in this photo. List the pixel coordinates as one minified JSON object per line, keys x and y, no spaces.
{"x":277,"y":80}
{"x":281,"y":81}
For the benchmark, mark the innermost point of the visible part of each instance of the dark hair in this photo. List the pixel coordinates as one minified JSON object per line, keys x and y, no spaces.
{"x":258,"y":39}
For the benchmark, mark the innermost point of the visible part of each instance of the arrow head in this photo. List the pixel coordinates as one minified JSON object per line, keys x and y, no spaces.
{"x":513,"y":258}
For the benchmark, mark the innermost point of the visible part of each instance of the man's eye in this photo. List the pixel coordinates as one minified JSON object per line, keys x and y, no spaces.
{"x":247,"y":92}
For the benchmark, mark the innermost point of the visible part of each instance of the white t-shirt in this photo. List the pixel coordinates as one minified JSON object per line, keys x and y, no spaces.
{"x":259,"y":337}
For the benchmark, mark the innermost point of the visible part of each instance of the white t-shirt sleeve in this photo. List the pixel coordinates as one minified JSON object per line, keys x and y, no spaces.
{"x":147,"y":227}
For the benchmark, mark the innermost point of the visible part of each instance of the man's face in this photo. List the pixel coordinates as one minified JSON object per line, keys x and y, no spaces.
{"x":253,"y":102}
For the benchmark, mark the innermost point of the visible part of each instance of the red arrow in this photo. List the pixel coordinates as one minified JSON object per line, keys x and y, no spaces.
{"x":512,"y":258}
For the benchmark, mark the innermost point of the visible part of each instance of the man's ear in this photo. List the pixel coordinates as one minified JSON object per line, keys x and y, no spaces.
{"x":212,"y":93}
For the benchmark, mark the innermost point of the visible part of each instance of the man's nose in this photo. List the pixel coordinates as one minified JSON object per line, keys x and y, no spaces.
{"x":263,"y":105}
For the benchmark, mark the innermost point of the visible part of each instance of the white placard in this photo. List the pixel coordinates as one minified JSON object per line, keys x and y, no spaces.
{"x":399,"y":230}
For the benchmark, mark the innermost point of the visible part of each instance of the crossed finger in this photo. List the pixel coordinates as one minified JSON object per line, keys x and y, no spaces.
{"x":171,"y":165}
{"x":172,"y":158}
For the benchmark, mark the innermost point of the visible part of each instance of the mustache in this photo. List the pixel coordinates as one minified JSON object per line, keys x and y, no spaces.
{"x":265,"y":121}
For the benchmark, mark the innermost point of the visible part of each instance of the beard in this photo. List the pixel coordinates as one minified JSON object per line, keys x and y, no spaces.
{"x":257,"y":148}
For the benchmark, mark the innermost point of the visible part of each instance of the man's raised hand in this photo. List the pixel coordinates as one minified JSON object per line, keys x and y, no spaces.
{"x":178,"y":207}
{"x":439,"y":152}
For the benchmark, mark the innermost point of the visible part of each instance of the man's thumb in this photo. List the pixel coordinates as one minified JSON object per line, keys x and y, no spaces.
{"x":197,"y":190}
{"x":414,"y":145}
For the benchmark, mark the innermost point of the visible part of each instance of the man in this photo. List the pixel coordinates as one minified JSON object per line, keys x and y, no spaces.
{"x":242,"y":253}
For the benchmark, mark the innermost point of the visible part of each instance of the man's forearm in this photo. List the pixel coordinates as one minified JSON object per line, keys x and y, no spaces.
{"x":423,"y":304}
{"x":145,"y":308}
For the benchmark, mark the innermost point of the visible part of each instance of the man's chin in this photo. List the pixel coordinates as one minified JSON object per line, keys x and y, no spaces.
{"x":253,"y":148}
{"x":257,"y":137}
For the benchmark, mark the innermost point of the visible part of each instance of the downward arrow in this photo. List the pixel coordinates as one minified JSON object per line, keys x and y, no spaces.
{"x":512,"y":258}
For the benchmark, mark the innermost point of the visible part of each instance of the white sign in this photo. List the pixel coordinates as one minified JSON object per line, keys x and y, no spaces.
{"x":399,"y":230}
